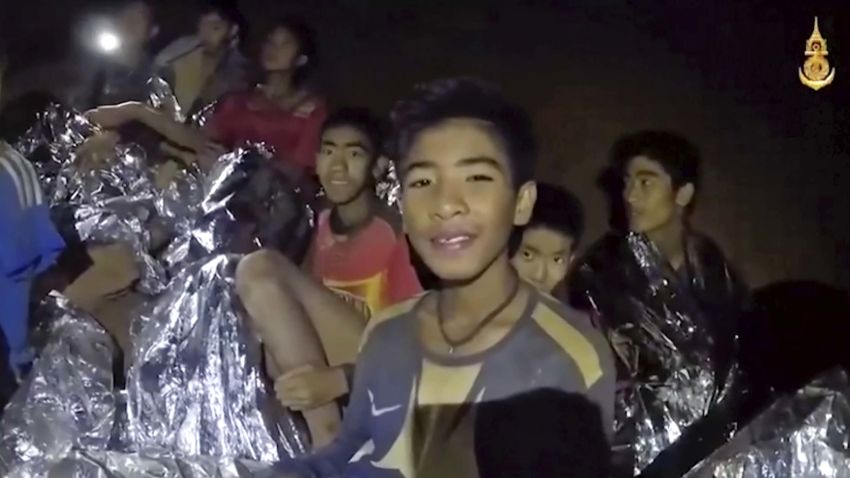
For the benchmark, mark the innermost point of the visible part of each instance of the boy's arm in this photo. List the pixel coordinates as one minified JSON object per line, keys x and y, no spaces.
{"x":35,"y":243}
{"x":332,"y":460}
{"x":111,"y":117}
{"x":10,"y":215}
{"x":178,"y":133}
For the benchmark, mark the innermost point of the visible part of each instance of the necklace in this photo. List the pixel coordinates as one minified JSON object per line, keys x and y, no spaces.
{"x":454,"y":344}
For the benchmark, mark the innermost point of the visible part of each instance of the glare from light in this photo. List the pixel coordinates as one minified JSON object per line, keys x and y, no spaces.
{"x":108,"y":41}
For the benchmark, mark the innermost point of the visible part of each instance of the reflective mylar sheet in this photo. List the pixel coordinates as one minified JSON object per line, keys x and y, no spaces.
{"x":674,"y":334}
{"x":196,"y":402}
{"x":67,"y":401}
{"x":805,"y":435}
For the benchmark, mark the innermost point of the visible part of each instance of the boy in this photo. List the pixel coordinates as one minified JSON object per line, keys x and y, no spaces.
{"x":203,"y":68}
{"x":465,"y":160}
{"x":663,"y":276}
{"x":358,"y":264}
{"x":125,"y":77}
{"x":550,"y":238}
{"x":29,"y":244}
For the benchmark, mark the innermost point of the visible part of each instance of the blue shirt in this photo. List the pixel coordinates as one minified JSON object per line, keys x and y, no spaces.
{"x":29,"y":244}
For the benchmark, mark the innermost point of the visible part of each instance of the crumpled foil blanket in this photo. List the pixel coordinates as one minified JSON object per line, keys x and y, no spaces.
{"x":805,"y":435}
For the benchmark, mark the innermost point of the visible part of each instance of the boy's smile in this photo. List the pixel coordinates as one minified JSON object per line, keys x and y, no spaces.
{"x":344,"y":163}
{"x":453,"y":239}
{"x":458,"y":198}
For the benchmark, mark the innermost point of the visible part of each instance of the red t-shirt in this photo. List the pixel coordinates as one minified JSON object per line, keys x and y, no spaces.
{"x":369,"y":267}
{"x":292,"y":134}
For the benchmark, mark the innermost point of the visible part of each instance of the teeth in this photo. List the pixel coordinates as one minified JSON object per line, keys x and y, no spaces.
{"x":454,"y":240}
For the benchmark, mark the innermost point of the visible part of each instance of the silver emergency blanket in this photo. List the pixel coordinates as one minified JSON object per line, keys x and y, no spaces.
{"x":805,"y":435}
{"x":63,"y":420}
{"x":161,"y":97}
{"x":196,"y":386}
{"x":388,"y":188}
{"x":200,"y":119}
{"x":66,"y":402}
{"x":673,"y":334}
{"x":116,"y":201}
{"x":191,"y":336}
{"x":110,"y":464}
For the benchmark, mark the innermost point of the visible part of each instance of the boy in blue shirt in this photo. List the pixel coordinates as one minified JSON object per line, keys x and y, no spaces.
{"x":29,"y":244}
{"x":465,"y":156}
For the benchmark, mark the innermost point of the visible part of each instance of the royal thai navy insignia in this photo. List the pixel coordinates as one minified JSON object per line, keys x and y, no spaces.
{"x":816,"y":72}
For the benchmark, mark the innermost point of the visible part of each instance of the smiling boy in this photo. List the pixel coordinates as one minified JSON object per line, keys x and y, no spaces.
{"x":465,"y":155}
{"x":312,"y":315}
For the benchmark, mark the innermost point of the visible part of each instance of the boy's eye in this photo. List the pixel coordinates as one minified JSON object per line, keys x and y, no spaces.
{"x":419,"y":183}
{"x":327,"y":151}
{"x":527,"y":255}
{"x":558,"y":259}
{"x":479,"y":177}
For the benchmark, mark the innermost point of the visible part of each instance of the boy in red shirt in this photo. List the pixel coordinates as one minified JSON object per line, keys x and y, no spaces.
{"x":358,"y":264}
{"x":282,"y":112}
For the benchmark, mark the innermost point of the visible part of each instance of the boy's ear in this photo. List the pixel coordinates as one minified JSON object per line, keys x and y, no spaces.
{"x":685,"y":195}
{"x":234,"y":36}
{"x":526,"y":197}
{"x":301,"y":60}
{"x":380,"y":168}
{"x":154,"y":32}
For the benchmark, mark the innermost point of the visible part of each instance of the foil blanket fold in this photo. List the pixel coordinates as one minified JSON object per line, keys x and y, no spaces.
{"x":196,"y":404}
{"x":804,"y":435}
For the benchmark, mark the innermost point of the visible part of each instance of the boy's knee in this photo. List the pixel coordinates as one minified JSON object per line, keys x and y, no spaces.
{"x":256,"y":268}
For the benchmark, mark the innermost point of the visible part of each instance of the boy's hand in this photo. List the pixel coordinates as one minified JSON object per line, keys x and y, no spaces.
{"x":209,"y":155}
{"x":308,"y":387}
{"x":97,"y":150}
{"x":111,"y":117}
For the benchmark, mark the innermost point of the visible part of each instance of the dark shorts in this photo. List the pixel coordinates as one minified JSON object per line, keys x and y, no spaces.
{"x":71,"y":263}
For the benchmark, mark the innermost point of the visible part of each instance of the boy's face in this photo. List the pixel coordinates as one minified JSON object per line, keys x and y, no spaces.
{"x":543,"y":257}
{"x":458,"y":199}
{"x":135,"y":22}
{"x":651,"y":200}
{"x":280,"y":51}
{"x":344,"y":163}
{"x":213,"y":31}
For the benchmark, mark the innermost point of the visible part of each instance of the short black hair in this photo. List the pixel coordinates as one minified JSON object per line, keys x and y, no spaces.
{"x":364,"y":121}
{"x":545,"y":433}
{"x":148,"y":4}
{"x":440,"y":100}
{"x":559,"y":210}
{"x":677,"y":155}
{"x":226,"y":9}
{"x":305,"y":35}
{"x":150,"y":7}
